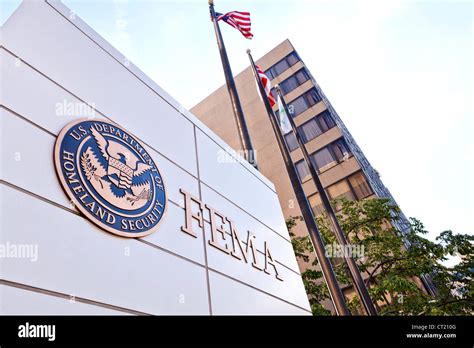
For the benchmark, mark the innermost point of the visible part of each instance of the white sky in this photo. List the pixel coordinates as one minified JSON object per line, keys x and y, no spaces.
{"x":398,"y":72}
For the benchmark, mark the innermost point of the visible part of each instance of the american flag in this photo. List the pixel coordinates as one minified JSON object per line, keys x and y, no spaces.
{"x":266,"y":85}
{"x":238,"y":20}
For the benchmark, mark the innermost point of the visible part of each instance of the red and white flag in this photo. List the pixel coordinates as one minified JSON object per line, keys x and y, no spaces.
{"x":238,"y":20}
{"x":266,"y":85}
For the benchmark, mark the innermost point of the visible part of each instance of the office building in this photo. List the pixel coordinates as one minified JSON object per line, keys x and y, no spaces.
{"x":344,"y":170}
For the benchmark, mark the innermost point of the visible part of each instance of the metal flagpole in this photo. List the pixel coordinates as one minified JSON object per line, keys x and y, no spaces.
{"x":242,"y":129}
{"x":329,"y":276}
{"x":340,"y":236}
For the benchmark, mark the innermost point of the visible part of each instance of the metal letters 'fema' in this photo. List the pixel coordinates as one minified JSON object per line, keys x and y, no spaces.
{"x":110,"y":177}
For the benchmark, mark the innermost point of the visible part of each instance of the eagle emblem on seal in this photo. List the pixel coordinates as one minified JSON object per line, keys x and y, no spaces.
{"x":110,"y":177}
{"x":117,"y":164}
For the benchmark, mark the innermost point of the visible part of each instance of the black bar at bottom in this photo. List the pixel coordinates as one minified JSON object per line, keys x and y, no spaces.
{"x":380,"y":331}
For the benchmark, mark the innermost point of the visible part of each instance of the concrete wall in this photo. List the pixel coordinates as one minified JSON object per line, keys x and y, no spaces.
{"x":48,"y":59}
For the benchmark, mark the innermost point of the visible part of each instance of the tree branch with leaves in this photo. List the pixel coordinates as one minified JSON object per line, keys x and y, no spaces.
{"x":392,"y":263}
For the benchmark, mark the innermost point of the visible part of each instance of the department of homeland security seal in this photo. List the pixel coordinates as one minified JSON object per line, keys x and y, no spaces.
{"x":110,"y":177}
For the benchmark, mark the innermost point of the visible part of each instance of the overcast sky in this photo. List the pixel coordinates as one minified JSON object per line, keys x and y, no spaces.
{"x":399,"y":73}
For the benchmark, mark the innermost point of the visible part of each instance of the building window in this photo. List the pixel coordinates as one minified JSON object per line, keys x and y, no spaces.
{"x":292,"y":58}
{"x":304,"y":102}
{"x":316,"y":204}
{"x":274,"y":93}
{"x":316,"y":126}
{"x":313,"y":97}
{"x":330,"y":155}
{"x":339,"y":190}
{"x":352,"y":188}
{"x":340,"y":150}
{"x":298,"y":105}
{"x":360,"y":185}
{"x":303,"y":170}
{"x":294,"y":81}
{"x":325,"y":121}
{"x":323,"y":159}
{"x":291,"y":141}
{"x":309,"y":130}
{"x":269,"y":73}
{"x":282,"y":65}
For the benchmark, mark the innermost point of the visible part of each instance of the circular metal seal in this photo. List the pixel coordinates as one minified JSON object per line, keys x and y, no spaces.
{"x":110,"y":177}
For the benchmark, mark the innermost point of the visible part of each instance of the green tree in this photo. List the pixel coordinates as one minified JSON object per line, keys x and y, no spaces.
{"x":391,"y":265}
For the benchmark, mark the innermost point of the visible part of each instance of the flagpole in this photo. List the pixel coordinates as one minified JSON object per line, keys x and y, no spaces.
{"x":340,"y":236}
{"x":329,"y":276}
{"x":244,"y":136}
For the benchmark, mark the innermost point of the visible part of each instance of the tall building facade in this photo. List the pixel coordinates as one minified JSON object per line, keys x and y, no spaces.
{"x":344,"y":170}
